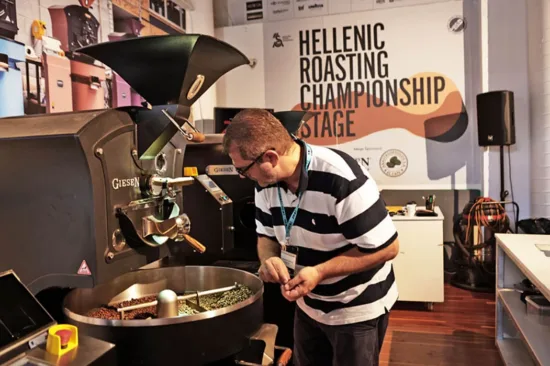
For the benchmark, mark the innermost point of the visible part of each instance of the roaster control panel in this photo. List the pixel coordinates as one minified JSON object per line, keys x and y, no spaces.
{"x":212,"y":188}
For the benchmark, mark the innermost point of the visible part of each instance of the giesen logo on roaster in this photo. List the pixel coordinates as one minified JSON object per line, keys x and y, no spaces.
{"x":122,"y":183}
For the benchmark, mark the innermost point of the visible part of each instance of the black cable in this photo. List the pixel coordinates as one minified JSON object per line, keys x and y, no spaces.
{"x":136,"y":163}
{"x":512,"y":188}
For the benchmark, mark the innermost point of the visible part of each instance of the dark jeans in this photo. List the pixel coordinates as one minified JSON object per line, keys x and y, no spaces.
{"x":357,"y":344}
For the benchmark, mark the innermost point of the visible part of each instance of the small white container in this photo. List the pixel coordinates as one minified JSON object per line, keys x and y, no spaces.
{"x":538,"y":307}
{"x":410,"y":209}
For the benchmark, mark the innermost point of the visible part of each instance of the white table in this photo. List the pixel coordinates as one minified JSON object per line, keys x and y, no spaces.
{"x":419,"y":265}
{"x":520,"y":339}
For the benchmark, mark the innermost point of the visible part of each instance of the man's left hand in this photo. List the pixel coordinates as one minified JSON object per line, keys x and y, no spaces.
{"x":302,"y":284}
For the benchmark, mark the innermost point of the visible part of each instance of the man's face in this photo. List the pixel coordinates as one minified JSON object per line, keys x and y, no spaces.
{"x":261,"y":169}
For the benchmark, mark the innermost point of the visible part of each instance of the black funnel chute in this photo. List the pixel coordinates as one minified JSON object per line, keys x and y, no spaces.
{"x":172,"y":69}
{"x":293,"y":120}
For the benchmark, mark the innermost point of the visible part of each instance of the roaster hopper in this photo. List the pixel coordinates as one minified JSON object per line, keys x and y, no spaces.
{"x":94,"y":204}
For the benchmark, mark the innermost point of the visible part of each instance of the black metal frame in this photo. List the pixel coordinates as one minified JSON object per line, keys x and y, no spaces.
{"x":504,"y":193}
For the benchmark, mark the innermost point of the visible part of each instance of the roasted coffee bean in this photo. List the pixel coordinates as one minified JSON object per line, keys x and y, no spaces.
{"x":104,"y":313}
{"x":208,"y":302}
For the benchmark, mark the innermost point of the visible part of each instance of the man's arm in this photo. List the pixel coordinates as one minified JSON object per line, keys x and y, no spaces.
{"x":364,"y":222}
{"x":267,"y":242}
{"x":268,"y":248}
{"x":272,"y":268}
{"x":354,"y":261}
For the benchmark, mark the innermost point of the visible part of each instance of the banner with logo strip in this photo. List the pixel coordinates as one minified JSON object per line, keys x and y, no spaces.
{"x":387,"y":87}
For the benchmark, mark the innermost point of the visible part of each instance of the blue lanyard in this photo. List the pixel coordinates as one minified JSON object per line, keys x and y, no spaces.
{"x":290,"y":221}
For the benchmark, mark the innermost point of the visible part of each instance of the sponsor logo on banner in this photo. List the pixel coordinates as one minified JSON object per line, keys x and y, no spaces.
{"x":254,"y":5}
{"x":254,"y":10}
{"x":394,"y":163}
{"x":254,"y":15}
{"x":280,"y":11}
{"x":279,"y":41}
{"x":363,"y":162}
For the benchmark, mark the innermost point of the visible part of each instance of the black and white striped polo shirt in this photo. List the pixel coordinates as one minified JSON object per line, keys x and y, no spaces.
{"x":340,"y":208}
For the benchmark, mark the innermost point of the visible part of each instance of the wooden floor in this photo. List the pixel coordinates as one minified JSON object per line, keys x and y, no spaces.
{"x":459,"y":331}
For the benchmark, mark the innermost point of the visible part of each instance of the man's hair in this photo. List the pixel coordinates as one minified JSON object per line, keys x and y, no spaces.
{"x":253,"y":131}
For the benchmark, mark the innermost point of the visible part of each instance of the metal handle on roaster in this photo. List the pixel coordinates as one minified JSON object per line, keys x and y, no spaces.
{"x":176,"y":228}
{"x":157,"y":185}
{"x":173,"y":182}
{"x":194,"y":136}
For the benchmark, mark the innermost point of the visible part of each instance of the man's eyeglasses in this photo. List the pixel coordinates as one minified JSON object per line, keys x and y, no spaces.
{"x":242,"y":171}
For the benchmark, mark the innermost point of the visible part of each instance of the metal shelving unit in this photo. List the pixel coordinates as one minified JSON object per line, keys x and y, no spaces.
{"x":521,"y":339}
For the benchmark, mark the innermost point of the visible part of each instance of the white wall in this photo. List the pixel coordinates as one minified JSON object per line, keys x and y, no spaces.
{"x":538,"y":16}
{"x":201,"y":21}
{"x":504,"y":50}
{"x":249,"y":40}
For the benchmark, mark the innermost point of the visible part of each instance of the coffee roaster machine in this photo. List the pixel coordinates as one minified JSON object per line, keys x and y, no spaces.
{"x":109,"y":221}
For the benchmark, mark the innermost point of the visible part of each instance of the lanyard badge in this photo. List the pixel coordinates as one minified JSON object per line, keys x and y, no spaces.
{"x":289,"y":253}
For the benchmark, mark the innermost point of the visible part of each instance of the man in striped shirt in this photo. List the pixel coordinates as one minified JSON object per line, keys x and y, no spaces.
{"x":324,"y":234}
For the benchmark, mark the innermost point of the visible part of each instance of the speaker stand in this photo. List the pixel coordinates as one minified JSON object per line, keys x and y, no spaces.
{"x":503,"y":192}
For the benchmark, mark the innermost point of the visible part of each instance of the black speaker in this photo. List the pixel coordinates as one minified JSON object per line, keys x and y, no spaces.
{"x":495,"y":118}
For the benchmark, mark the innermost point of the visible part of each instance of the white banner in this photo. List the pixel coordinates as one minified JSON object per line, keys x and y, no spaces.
{"x":388,"y":86}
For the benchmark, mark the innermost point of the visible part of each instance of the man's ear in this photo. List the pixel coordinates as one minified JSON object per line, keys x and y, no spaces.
{"x":272,"y":157}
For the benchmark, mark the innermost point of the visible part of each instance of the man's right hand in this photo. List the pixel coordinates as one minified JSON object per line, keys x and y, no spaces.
{"x":274,"y":270}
